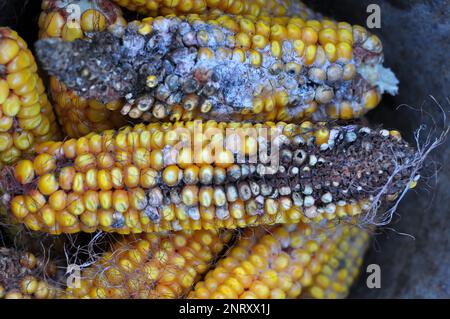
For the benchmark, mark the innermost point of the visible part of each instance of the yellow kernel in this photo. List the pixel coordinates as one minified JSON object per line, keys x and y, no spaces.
{"x":66,"y":219}
{"x":24,"y":172}
{"x":18,"y":207}
{"x":309,"y":36}
{"x":5,"y":123}
{"x":260,"y":289}
{"x":278,"y":32}
{"x":47,"y":184}
{"x":4,"y":91}
{"x":120,"y":201}
{"x":78,"y":185}
{"x":171,"y":175}
{"x":345,"y":110}
{"x":11,"y":106}
{"x":243,"y":40}
{"x":148,"y":178}
{"x":345,"y":35}
{"x":93,"y":20}
{"x":255,"y":58}
{"x":275,"y":49}
{"x":58,"y":200}
{"x":8,"y":50}
{"x":370,"y":99}
{"x":141,"y":158}
{"x":72,"y":31}
{"x":344,"y":51}
{"x":328,"y":36}
{"x":48,"y":216}
{"x":259,"y":42}
{"x":28,"y":285}
{"x":310,"y":54}
{"x":105,"y":198}
{"x":293,"y":31}
{"x":105,"y":217}
{"x":330,"y":52}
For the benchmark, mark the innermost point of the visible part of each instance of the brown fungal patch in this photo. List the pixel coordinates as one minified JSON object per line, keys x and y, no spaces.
{"x":16,"y":267}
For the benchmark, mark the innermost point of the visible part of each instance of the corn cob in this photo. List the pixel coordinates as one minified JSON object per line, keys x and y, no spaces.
{"x":228,"y":68}
{"x":25,"y":276}
{"x":207,"y":175}
{"x":282,"y":262}
{"x":255,"y":8}
{"x":152,"y":266}
{"x":26,"y":117}
{"x":70,"y":20}
{"x":339,"y":272}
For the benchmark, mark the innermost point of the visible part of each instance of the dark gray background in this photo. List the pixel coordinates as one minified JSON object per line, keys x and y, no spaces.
{"x":416,"y":37}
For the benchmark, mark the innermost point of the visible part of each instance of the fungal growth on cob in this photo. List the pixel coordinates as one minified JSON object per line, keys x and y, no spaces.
{"x":152,"y":266}
{"x":225,"y":67}
{"x":208,"y":175}
{"x":274,"y":8}
{"x":76,"y":19}
{"x":25,"y":276}
{"x":288,"y":261}
{"x":26,"y":116}
{"x":224,"y":189}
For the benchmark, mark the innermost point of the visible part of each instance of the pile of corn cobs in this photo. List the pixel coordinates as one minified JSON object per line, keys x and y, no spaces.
{"x":210,"y":136}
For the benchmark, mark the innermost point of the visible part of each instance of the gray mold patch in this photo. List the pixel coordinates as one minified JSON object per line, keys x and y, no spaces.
{"x":107,"y":67}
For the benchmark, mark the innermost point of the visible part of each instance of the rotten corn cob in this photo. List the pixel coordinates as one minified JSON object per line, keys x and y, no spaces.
{"x":207,"y":175}
{"x":224,"y":67}
{"x":255,"y":8}
{"x":152,"y":266}
{"x":70,"y":20}
{"x":26,"y":116}
{"x":25,"y":276}
{"x":287,"y":261}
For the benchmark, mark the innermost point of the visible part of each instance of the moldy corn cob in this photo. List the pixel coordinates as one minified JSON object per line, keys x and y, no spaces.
{"x":284,"y":261}
{"x":26,"y":116}
{"x":24,"y":276}
{"x":70,"y":20}
{"x":255,"y":8}
{"x":207,"y":175}
{"x":224,"y":67}
{"x":152,"y":266}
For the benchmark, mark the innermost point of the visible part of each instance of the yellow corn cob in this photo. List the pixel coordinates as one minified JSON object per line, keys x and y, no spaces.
{"x":26,"y":117}
{"x":225,"y":67}
{"x":76,"y":115}
{"x":342,"y":268}
{"x":205,"y":175}
{"x":284,"y":261}
{"x":152,"y":266}
{"x":25,"y":276}
{"x":245,"y":7}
